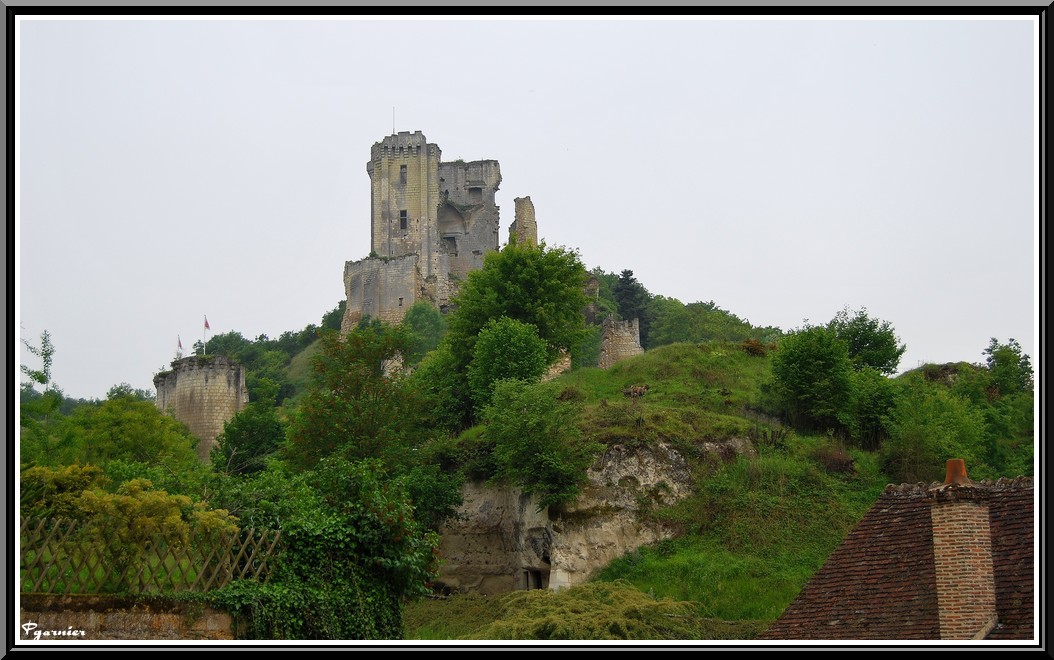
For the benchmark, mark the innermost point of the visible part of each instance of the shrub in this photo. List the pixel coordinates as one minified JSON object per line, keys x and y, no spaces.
{"x":537,"y":443}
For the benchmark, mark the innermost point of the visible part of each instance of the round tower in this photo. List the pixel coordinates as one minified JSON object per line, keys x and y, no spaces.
{"x":203,"y":392}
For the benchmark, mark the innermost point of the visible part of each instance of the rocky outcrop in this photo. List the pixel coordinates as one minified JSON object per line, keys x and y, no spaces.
{"x":501,"y":541}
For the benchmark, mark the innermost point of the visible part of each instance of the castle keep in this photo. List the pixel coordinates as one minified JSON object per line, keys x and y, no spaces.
{"x":430,"y":224}
{"x":203,"y":392}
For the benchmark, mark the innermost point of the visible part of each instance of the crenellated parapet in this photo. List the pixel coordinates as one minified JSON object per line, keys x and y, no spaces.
{"x":204,"y":392}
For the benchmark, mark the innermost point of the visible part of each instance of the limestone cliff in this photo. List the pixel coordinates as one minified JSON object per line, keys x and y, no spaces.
{"x":502,"y":542}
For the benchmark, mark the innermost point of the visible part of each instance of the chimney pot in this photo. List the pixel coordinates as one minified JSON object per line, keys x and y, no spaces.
{"x":955,"y":472}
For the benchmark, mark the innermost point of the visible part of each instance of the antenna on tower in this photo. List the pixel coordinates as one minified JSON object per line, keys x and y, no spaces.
{"x":393,"y":120}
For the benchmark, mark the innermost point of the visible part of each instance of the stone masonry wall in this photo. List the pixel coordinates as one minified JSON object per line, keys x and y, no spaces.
{"x":91,"y":618}
{"x":524,"y":227}
{"x":404,"y":179}
{"x":203,"y":392}
{"x":381,"y":288}
{"x":431,"y":223}
{"x":620,"y":340}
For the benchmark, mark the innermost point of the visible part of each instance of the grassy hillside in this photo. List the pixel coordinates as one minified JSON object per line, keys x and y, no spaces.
{"x":748,"y":538}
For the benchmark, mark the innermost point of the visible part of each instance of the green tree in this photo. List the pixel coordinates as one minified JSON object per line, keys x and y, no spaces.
{"x":352,"y":553}
{"x":871,"y":342}
{"x":633,"y":299}
{"x":539,"y":285}
{"x":128,"y":429}
{"x":1011,"y":369}
{"x":811,"y":378}
{"x":39,"y":413}
{"x":672,"y":322}
{"x":251,"y":436}
{"x":126,"y":390}
{"x":352,"y":406}
{"x":505,"y":348}
{"x":427,"y":327}
{"x":873,"y":398}
{"x":928,"y":425}
{"x":537,"y":443}
{"x":331,"y":320}
{"x":605,"y":302}
{"x":443,"y":386}
{"x":55,"y":492}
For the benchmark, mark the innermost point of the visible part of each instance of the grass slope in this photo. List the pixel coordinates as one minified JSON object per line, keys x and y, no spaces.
{"x":749,"y":537}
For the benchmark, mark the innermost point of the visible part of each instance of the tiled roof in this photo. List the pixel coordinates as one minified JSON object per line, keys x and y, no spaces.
{"x":1012,"y":539}
{"x":880,"y":583}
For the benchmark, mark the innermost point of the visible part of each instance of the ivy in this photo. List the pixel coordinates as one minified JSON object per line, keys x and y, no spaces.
{"x":344,"y":572}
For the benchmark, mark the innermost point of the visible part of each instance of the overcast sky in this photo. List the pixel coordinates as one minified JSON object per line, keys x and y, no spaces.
{"x":781,"y":168}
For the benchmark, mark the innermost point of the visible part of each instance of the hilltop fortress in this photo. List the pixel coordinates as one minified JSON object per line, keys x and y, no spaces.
{"x":431,"y":223}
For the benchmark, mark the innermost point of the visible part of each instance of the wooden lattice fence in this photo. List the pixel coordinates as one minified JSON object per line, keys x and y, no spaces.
{"x":58,"y":558}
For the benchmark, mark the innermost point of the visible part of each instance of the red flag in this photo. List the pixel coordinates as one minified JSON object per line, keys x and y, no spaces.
{"x":206,"y":322}
{"x":180,"y":342}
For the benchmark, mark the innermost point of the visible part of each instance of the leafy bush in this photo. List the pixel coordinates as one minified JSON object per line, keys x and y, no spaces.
{"x":754,"y":347}
{"x":427,"y":327}
{"x":537,"y":443}
{"x":347,"y":562}
{"x":505,"y":348}
{"x":811,"y":372}
{"x":929,"y":425}
{"x":833,"y":458}
{"x":871,"y":342}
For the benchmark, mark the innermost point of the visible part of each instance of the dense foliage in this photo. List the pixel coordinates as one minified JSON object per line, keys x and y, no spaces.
{"x":871,"y":342}
{"x":542,"y":286}
{"x":537,"y":442}
{"x":353,"y":407}
{"x":812,"y":377}
{"x":505,"y":348}
{"x":357,"y":447}
{"x":350,"y":557}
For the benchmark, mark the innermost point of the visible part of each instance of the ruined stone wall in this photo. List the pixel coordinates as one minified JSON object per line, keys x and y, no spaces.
{"x":620,"y":340}
{"x":431,"y":223}
{"x":524,"y":227}
{"x":561,"y":366}
{"x":203,"y":392}
{"x":468,"y":218}
{"x":381,"y":288}
{"x":111,"y":617}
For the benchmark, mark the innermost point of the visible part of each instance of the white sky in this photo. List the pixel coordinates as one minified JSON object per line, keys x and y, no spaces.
{"x":170,"y":169}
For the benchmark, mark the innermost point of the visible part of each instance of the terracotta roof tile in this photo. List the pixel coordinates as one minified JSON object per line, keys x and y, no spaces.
{"x":880,"y":583}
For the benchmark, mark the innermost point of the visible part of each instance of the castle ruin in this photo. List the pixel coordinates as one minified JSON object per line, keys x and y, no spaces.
{"x":524,"y":228}
{"x":431,"y":223}
{"x":203,"y":392}
{"x":620,"y":340}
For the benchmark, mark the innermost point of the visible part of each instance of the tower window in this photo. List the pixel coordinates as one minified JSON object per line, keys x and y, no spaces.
{"x":402,"y":219}
{"x":402,"y":174}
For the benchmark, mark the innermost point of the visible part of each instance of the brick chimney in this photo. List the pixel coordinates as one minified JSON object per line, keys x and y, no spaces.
{"x":962,"y":553}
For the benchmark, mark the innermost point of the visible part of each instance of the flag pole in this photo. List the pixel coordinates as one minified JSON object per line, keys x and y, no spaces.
{"x":203,"y":334}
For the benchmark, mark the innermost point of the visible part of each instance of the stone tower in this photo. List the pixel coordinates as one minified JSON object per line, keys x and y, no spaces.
{"x":203,"y":392}
{"x":618,"y":341}
{"x":404,"y":187}
{"x":431,"y":223}
{"x":524,"y":227}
